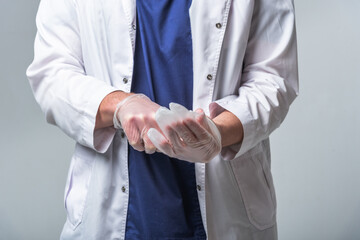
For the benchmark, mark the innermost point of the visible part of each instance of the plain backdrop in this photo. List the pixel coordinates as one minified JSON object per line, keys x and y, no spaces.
{"x":315,"y":153}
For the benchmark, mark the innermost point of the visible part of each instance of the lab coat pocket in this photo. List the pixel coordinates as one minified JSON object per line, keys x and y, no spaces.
{"x":78,"y":184}
{"x":256,"y":187}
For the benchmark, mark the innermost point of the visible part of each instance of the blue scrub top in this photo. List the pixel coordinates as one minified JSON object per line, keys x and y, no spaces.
{"x":163,"y":201}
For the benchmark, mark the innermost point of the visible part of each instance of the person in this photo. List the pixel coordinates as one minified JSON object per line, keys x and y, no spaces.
{"x":171,"y":104}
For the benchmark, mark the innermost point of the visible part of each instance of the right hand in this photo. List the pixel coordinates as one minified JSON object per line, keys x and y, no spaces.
{"x":136,"y":115}
{"x":190,"y":136}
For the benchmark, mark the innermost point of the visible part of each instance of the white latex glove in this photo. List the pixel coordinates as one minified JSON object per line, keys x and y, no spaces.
{"x":190,"y":136}
{"x":136,"y":115}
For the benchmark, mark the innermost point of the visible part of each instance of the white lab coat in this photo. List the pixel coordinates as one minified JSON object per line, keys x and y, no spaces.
{"x":247,"y":65}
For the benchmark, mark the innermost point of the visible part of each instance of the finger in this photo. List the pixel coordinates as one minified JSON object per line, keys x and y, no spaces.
{"x":195,"y":127}
{"x":182,"y":113}
{"x":174,"y":138}
{"x":139,"y":145}
{"x":201,"y":118}
{"x":164,"y":117}
{"x":179,"y":110}
{"x":185,"y":133}
{"x":148,"y":145}
{"x":208,"y":124}
{"x":133,"y":135}
{"x":152,"y":123}
{"x":160,"y":142}
{"x":199,"y":110}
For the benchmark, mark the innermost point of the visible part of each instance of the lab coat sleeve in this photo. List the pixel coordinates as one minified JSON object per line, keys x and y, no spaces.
{"x":68,"y":97}
{"x":269,"y":81}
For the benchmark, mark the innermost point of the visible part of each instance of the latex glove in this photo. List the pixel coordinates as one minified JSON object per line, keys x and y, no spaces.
{"x":136,"y":115}
{"x":189,"y":136}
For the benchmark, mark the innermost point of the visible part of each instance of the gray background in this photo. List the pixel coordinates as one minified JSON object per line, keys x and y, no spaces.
{"x":316,"y":152}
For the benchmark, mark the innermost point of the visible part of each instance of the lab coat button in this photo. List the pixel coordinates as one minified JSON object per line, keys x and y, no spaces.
{"x":123,"y":189}
{"x":122,"y":134}
{"x":209,"y":77}
{"x":198,"y":187}
{"x":218,"y":25}
{"x":125,"y":80}
{"x":134,"y":27}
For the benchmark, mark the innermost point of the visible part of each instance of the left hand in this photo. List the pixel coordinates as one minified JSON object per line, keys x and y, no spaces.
{"x":190,"y":136}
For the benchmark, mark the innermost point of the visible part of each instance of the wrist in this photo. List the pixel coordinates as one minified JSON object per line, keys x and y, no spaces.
{"x":104,"y":117}
{"x":230,"y":128}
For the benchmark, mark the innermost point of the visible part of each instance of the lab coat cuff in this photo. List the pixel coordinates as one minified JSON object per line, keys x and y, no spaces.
{"x":99,"y":139}
{"x":241,"y":111}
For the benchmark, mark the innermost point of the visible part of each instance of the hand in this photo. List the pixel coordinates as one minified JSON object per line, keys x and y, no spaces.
{"x":190,"y":136}
{"x":136,"y":115}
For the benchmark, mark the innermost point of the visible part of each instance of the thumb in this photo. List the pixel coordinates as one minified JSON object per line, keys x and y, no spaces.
{"x":201,"y":118}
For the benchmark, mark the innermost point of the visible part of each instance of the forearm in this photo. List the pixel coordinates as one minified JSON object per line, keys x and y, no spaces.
{"x":229,"y":125}
{"x":104,"y":117}
{"x":230,"y":128}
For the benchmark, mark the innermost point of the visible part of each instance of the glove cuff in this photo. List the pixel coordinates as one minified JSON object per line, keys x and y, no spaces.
{"x":116,"y":121}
